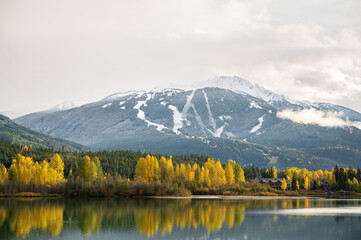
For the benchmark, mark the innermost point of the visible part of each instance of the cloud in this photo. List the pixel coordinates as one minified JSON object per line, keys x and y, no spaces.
{"x":316,"y":117}
{"x":87,"y":48}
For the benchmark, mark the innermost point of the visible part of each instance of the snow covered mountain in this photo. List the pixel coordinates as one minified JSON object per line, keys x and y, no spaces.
{"x":240,"y":85}
{"x":212,"y":121}
{"x":243,"y":86}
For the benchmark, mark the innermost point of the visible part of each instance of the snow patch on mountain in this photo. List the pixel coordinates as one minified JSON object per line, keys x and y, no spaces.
{"x":188,"y":104}
{"x":107,"y":105}
{"x":66,"y":106}
{"x":224,"y":117}
{"x":171,"y":91}
{"x":216,"y":131}
{"x":177,"y":119}
{"x":124,"y":94}
{"x":141,"y":114}
{"x":229,"y":134}
{"x":211,"y":119}
{"x":258,"y":126}
{"x":356,"y":124}
{"x":253,"y":104}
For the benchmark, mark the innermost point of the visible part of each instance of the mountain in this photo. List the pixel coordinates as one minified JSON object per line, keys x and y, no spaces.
{"x":211,"y":121}
{"x":243,"y":86}
{"x":12,"y":132}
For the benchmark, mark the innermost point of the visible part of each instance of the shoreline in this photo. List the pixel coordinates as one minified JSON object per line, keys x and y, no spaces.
{"x":236,"y":197}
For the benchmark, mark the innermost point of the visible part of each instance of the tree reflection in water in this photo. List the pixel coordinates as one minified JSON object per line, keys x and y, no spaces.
{"x":20,"y":217}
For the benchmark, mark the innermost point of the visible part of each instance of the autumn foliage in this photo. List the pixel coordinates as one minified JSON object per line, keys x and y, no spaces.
{"x":210,"y":174}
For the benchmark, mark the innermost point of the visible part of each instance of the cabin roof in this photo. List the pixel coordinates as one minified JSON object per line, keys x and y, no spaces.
{"x":274,"y":180}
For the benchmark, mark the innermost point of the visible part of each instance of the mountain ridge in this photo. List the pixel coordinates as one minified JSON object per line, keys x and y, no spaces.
{"x":12,"y":132}
{"x":213,"y":119}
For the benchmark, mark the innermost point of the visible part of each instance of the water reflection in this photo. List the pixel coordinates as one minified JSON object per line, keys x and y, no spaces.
{"x":51,"y":217}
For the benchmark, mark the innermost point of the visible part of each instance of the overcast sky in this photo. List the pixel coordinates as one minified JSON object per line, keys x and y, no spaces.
{"x":57,"y":51}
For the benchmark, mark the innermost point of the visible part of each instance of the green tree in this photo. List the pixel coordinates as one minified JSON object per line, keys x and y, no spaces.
{"x":13,"y":174}
{"x":84,"y":169}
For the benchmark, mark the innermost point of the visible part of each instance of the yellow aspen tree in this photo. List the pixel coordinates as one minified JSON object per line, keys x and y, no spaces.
{"x":37,"y":173}
{"x":221,"y":177}
{"x":148,"y":169}
{"x":188,"y":175}
{"x":194,"y":167}
{"x":274,"y":172}
{"x":306,"y":185}
{"x":170,"y":170}
{"x":297,"y":185}
{"x":202,"y":179}
{"x":320,"y":174}
{"x":210,"y":166}
{"x":51,"y":175}
{"x":242,"y":178}
{"x":24,"y":167}
{"x":182,"y":171}
{"x":44,"y":174}
{"x":98,"y":166}
{"x":148,"y":174}
{"x":284,"y":184}
{"x":93,"y":172}
{"x":139,"y":170}
{"x":28,"y":167}
{"x":155,"y":169}
{"x":177,"y":171}
{"x":207,"y":178}
{"x":57,"y":164}
{"x":229,"y":173}
{"x":163,"y":165}
{"x":3,"y":173}
{"x":303,"y":173}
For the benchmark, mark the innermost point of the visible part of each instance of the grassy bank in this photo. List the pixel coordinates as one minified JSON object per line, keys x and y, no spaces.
{"x":75,"y":187}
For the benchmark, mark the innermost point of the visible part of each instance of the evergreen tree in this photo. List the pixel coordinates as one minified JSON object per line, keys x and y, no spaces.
{"x":294,"y":183}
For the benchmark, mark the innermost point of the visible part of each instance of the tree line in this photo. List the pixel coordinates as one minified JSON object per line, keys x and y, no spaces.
{"x":71,"y":171}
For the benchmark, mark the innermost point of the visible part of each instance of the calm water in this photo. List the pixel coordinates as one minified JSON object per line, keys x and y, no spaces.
{"x":179,"y":219}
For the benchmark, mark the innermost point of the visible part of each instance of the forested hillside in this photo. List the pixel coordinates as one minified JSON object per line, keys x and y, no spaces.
{"x":12,"y":132}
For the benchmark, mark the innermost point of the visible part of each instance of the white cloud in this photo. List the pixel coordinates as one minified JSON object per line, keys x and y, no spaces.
{"x":317,"y":117}
{"x":304,"y":50}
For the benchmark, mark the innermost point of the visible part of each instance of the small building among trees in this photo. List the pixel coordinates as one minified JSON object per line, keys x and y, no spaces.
{"x":273,"y":182}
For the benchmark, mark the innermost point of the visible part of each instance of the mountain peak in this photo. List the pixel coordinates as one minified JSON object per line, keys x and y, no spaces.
{"x":243,"y":86}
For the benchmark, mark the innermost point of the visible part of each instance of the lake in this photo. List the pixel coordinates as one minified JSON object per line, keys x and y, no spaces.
{"x":180,"y":219}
